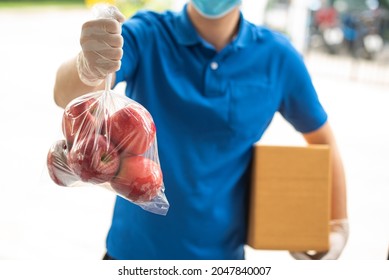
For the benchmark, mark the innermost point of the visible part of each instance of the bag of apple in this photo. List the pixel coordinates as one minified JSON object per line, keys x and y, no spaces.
{"x":110,"y":141}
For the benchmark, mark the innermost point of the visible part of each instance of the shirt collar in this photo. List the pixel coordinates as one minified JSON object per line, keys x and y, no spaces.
{"x":187,"y":35}
{"x":247,"y":33}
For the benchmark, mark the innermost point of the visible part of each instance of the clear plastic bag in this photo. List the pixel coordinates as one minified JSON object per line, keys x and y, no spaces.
{"x":110,"y":141}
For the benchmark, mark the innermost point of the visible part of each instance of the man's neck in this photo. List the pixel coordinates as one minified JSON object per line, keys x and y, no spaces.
{"x":218,"y":32}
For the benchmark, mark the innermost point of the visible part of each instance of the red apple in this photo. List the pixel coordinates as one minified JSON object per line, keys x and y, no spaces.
{"x":79,"y":120}
{"x":94,"y":160}
{"x":57,"y":165}
{"x":132,"y":129}
{"x":139,"y":179}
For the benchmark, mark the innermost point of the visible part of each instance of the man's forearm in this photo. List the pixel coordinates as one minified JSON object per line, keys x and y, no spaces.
{"x":324,"y":135}
{"x":68,"y":84}
{"x":338,"y":196}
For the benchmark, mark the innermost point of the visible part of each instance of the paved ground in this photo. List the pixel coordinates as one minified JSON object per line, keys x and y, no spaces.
{"x":39,"y":220}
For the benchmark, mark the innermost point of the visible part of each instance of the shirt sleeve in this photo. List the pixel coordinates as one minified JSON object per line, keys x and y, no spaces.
{"x":134,"y":35}
{"x":300,"y":104}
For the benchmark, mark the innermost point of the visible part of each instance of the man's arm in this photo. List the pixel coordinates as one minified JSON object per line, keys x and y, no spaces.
{"x":339,"y":223}
{"x":69,"y":86}
{"x":324,"y":135}
{"x":101,"y":43}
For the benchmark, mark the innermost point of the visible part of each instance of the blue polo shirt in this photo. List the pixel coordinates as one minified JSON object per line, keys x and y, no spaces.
{"x":209,"y":108}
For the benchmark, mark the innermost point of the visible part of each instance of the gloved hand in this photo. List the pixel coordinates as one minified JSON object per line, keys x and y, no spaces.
{"x":101,"y":44}
{"x":338,"y":239}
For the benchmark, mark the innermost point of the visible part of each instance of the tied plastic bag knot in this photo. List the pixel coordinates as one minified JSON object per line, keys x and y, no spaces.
{"x":102,"y":10}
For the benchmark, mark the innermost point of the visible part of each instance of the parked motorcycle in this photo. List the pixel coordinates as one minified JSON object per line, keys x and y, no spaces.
{"x":355,"y":31}
{"x":362,"y":34}
{"x":326,"y":25}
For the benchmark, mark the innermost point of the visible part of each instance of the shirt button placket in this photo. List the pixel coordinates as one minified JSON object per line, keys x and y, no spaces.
{"x":213,"y":81}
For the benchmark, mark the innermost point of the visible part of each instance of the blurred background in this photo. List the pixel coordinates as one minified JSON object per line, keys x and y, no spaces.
{"x":345,"y":44}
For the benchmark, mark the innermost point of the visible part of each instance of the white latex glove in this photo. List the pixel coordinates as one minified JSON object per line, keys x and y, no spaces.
{"x":338,"y":239}
{"x":101,"y":42}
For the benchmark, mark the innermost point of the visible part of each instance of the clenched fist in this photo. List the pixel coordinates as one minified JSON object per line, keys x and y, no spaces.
{"x":101,"y":42}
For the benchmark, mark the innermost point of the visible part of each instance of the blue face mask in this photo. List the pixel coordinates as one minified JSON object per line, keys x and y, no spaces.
{"x":214,"y":8}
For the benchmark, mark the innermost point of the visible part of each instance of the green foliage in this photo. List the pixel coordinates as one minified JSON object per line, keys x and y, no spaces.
{"x":41,"y":1}
{"x":129,"y":7}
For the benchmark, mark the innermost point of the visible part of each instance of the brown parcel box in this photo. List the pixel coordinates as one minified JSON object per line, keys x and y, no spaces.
{"x":290,"y":198}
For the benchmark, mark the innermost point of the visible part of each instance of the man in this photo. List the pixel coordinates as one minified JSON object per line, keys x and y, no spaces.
{"x":212,"y":82}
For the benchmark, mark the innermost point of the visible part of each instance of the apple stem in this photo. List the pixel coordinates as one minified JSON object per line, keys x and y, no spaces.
{"x":105,"y":158}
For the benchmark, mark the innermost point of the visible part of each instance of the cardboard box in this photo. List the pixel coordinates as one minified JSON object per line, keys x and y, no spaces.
{"x":290,"y":198}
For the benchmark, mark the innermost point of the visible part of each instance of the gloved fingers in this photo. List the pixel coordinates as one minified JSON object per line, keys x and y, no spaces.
{"x":101,"y":26}
{"x":104,"y":51}
{"x":120,"y":17}
{"x":97,"y":73}
{"x":338,"y":239}
{"x":105,"y":60}
{"x":111,"y":55}
{"x":106,"y":67}
{"x":338,"y":242}
{"x":310,"y":255}
{"x":300,"y":255}
{"x":101,"y":53}
{"x":101,"y":42}
{"x":332,"y":255}
{"x":115,"y":40}
{"x":316,"y":255}
{"x":98,"y":64}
